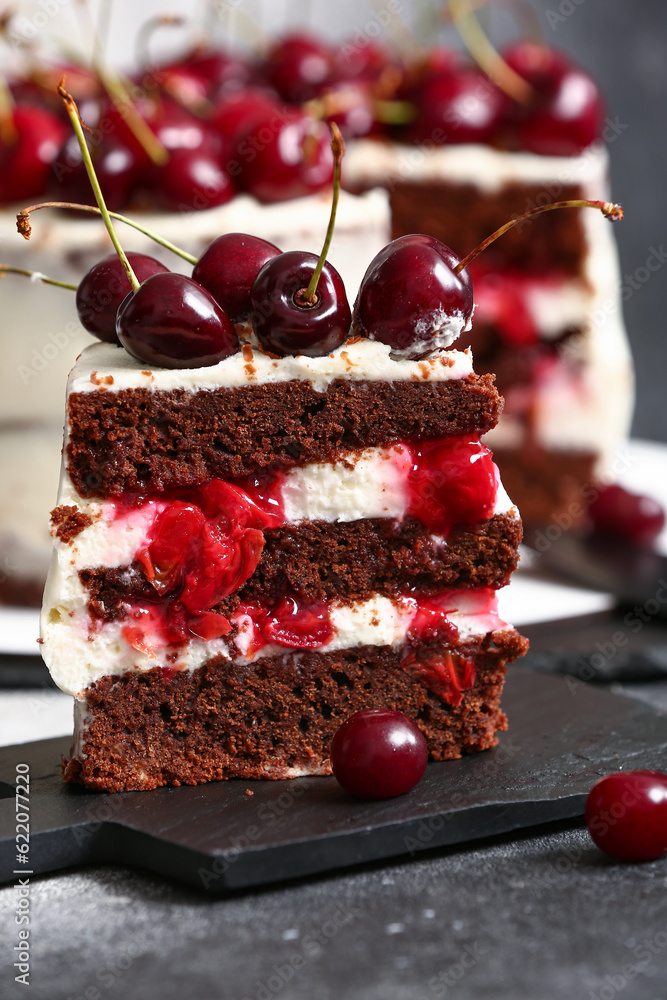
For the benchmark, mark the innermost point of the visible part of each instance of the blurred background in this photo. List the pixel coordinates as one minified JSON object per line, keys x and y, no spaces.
{"x":621,"y":44}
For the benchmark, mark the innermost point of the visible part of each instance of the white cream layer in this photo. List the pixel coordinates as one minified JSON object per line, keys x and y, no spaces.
{"x":371,"y":163}
{"x":106,"y":368}
{"x":78,"y":656}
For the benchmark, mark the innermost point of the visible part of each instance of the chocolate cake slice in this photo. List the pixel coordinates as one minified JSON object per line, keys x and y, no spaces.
{"x":247,"y":554}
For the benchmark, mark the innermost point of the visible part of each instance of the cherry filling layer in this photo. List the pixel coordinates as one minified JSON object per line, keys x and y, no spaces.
{"x":430,"y":630}
{"x":203,"y":543}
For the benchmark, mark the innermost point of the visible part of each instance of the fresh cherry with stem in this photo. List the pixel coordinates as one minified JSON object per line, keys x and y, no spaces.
{"x":417,"y":317}
{"x":168,"y":320}
{"x":298,"y":301}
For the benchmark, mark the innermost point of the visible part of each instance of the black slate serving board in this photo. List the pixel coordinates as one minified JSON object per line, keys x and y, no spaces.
{"x":563,"y":735}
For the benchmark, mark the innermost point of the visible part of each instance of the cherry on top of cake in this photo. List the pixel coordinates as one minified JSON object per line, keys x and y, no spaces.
{"x":192,"y":133}
{"x":416,"y":296}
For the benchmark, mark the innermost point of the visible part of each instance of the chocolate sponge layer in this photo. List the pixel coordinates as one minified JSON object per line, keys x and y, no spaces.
{"x":274,"y":718}
{"x":136,"y":439}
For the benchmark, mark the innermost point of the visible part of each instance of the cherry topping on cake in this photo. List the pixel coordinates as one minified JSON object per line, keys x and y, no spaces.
{"x":411,"y":298}
{"x":172,"y":322}
{"x":104,"y":287}
{"x":464,"y":107}
{"x":168,"y":320}
{"x":298,"y":67}
{"x":285,"y":156}
{"x":565,"y":113}
{"x":228,"y":268}
{"x":30,"y":139}
{"x":378,"y":753}
{"x":192,"y":180}
{"x":626,"y":815}
{"x":298,"y":301}
{"x":416,"y":295}
{"x":628,"y":515}
{"x":119,"y":170}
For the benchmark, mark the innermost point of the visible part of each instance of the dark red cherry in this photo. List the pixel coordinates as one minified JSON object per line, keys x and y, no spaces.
{"x":228,"y":268}
{"x":566,"y":113}
{"x":184,"y":83}
{"x":285,"y":323}
{"x":626,"y":815}
{"x":411,"y":299}
{"x":224,"y":72}
{"x":172,"y":322}
{"x":104,"y":287}
{"x":378,"y":754}
{"x":117,"y":167}
{"x":298,"y":67}
{"x":629,"y":515}
{"x":464,"y":107}
{"x":237,"y":112}
{"x":350,"y":105}
{"x":360,"y":59}
{"x":285,"y":157}
{"x":25,"y":162}
{"x":192,"y":180}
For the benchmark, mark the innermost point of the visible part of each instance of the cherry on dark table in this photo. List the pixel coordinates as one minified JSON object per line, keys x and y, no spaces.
{"x":617,"y":511}
{"x":378,"y":754}
{"x":626,"y":815}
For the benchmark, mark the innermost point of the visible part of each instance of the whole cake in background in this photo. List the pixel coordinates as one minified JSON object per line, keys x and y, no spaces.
{"x":433,"y":147}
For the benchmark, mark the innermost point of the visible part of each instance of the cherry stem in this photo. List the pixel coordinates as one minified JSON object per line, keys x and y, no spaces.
{"x":484,"y":53}
{"x":25,"y":229}
{"x":338,"y":149}
{"x":8,"y":133}
{"x":140,"y":129}
{"x":36,"y":276}
{"x":608,"y":208}
{"x":142,"y":53}
{"x":73,"y":112}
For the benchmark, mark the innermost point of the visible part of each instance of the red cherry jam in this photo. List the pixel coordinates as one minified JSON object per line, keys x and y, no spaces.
{"x":451,"y":481}
{"x":199,"y":550}
{"x":626,"y":815}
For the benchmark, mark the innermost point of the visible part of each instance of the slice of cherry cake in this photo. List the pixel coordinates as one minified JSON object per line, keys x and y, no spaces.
{"x":248,"y":553}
